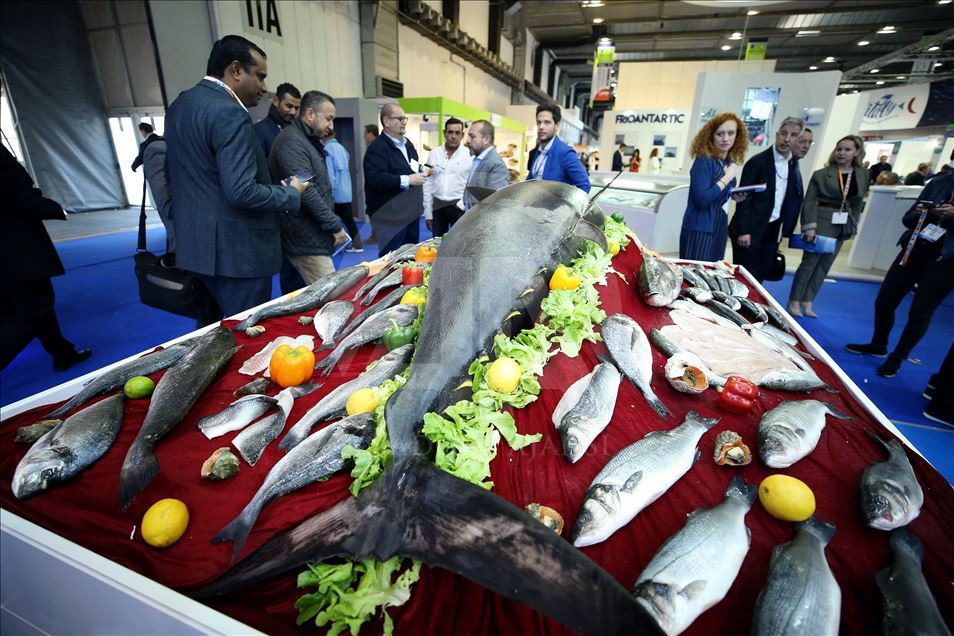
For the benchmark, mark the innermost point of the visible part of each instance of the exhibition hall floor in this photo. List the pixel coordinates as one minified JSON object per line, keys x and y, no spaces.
{"x":98,"y":307}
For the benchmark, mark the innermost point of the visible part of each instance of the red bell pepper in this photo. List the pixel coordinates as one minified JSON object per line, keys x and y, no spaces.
{"x":738,"y":395}
{"x":412,"y":275}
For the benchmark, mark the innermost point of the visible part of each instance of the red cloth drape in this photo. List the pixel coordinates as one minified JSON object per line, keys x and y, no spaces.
{"x":87,"y":512}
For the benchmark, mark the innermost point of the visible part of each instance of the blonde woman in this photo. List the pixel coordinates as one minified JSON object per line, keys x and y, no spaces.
{"x":832,"y":208}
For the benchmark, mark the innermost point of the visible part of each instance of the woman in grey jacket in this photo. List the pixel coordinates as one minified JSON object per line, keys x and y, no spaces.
{"x":832,"y":207}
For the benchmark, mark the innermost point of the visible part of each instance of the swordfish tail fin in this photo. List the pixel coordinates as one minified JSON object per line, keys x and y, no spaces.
{"x":139,"y":468}
{"x":419,"y":511}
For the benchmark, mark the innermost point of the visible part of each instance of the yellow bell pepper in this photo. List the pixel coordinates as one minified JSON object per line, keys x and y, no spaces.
{"x":414,"y":297}
{"x":564,"y":278}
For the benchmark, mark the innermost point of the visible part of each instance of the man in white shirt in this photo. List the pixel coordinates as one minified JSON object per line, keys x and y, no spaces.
{"x":450,"y":168}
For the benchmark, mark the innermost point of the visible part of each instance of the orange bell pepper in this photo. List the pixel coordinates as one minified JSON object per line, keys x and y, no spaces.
{"x":425,"y":254}
{"x":291,"y":366}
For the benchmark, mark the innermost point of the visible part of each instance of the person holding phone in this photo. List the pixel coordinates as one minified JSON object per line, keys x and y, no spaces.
{"x":926,"y":260}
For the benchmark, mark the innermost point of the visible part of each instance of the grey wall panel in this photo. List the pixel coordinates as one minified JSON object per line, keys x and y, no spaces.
{"x":142,"y":65}
{"x":108,"y":60}
{"x":184,"y":39}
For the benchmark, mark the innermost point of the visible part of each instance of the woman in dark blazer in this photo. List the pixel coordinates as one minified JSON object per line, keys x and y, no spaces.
{"x":718,"y":149}
{"x":832,"y":207}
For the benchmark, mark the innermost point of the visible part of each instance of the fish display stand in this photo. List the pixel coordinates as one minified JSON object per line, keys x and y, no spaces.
{"x":73,"y":562}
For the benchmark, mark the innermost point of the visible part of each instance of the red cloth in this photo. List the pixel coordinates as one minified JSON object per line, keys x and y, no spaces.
{"x":87,"y":512}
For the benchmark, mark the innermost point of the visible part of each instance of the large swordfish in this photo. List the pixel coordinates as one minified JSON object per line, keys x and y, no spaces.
{"x":490,"y":265}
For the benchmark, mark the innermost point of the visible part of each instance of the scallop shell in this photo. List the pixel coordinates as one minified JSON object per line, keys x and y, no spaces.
{"x":730,"y":450}
{"x":547,"y":516}
{"x":684,"y":373}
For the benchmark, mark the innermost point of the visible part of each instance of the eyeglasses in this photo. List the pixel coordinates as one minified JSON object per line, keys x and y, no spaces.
{"x":403,"y":120}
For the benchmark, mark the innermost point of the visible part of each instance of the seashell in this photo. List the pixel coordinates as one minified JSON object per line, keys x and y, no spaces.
{"x":254,"y":331}
{"x":30,"y":434}
{"x":306,"y":320}
{"x":730,"y":450}
{"x":547,"y":516}
{"x":684,"y":373}
{"x":221,"y":465}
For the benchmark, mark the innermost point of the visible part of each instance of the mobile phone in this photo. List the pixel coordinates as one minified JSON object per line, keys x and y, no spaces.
{"x":304,"y":176}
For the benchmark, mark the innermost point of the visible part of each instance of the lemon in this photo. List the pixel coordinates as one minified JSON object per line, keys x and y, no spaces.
{"x":504,"y":375}
{"x":139,"y":387}
{"x":612,"y":247}
{"x":362,"y":401}
{"x":165,"y":522}
{"x":786,"y":498}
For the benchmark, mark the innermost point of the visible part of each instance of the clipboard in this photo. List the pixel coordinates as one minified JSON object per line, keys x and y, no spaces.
{"x":755,"y":187}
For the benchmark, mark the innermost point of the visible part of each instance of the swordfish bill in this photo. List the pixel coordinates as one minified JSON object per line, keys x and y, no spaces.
{"x":417,"y":510}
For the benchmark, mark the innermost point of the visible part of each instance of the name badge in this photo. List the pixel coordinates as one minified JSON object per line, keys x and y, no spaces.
{"x":932,"y":232}
{"x":415,"y":166}
{"x":839,"y":218}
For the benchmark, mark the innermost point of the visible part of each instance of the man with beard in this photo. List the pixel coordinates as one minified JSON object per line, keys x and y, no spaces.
{"x":553,"y":159}
{"x":282,"y":112}
{"x":451,"y":165}
{"x":489,"y":170}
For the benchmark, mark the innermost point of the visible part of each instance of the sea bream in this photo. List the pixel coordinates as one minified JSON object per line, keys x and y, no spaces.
{"x":635,"y":477}
{"x":115,"y":378}
{"x":323,"y":290}
{"x":415,"y":509}
{"x":694,"y":568}
{"x":175,"y":394}
{"x":586,"y":408}
{"x":909,"y":606}
{"x":658,"y":281}
{"x":791,"y":430}
{"x":70,"y":447}
{"x":330,"y":319}
{"x":891,"y":496}
{"x":629,"y":348}
{"x":801,"y":595}
{"x":315,"y":459}
{"x":372,"y":329}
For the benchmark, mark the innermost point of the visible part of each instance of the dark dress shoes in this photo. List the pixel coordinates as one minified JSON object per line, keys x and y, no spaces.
{"x":65,"y":362}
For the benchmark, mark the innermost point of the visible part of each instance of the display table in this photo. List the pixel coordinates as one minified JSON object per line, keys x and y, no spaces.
{"x":125,"y":588}
{"x":876,"y":244}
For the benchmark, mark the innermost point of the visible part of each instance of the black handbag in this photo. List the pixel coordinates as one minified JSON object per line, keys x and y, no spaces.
{"x":164,"y":286}
{"x":777,"y":269}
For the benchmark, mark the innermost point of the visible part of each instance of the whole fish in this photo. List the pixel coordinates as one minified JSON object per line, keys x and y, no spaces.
{"x":670,"y":348}
{"x":258,"y":385}
{"x":236,"y":415}
{"x":630,"y":350}
{"x":690,"y":276}
{"x":323,"y":290}
{"x":635,"y":477}
{"x":372,"y":329}
{"x":753,"y":310}
{"x":333,"y":404}
{"x":909,"y":607}
{"x":737,"y":288}
{"x":694,"y":568}
{"x":374,"y":280}
{"x":801,"y":595}
{"x":115,"y":378}
{"x":658,"y":284}
{"x":251,"y":441}
{"x":891,"y":496}
{"x":70,"y":448}
{"x":792,"y":380}
{"x":773,"y":343}
{"x":586,"y":408}
{"x":704,"y":312}
{"x":784,"y":336}
{"x":775,"y":317}
{"x":712,"y":282}
{"x":728,"y":300}
{"x":330,"y":319}
{"x":791,"y":431}
{"x":392,"y":279}
{"x":698,"y":294}
{"x":175,"y":394}
{"x":315,"y":459}
{"x":721,"y":309}
{"x":385,"y":303}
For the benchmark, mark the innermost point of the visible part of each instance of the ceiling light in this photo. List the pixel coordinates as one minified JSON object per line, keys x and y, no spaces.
{"x":807,"y":33}
{"x":879,"y":82}
{"x":828,"y":60}
{"x":864,"y":43}
{"x":812,"y":68}
{"x":726,"y":47}
{"x":735,"y":36}
{"x":944,"y":1}
{"x":887,"y":28}
{"x":901,"y":77}
{"x":936,"y":64}
{"x":752,"y":12}
{"x":934,"y":48}
{"x":875,"y":70}
{"x":597,"y":20}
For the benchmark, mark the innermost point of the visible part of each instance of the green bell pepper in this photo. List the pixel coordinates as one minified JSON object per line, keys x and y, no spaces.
{"x":398,"y":336}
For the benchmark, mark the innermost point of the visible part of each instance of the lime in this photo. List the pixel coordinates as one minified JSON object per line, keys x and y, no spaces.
{"x":362,"y":401}
{"x":165,"y":522}
{"x":139,"y":387}
{"x":787,"y":498}
{"x":504,"y":375}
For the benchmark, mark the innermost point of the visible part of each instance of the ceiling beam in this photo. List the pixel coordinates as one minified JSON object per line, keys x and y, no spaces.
{"x":899,"y":55}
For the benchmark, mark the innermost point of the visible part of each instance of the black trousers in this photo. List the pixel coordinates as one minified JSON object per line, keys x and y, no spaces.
{"x":288,"y":277}
{"x":26,"y":312}
{"x":445,"y":217}
{"x":343,"y":210}
{"x":759,"y":256}
{"x":935,"y":280}
{"x":238,"y":294}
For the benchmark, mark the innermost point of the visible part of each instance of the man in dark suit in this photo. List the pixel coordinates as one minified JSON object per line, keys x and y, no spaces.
{"x":148,"y":136}
{"x":919,"y":176}
{"x":29,"y":260}
{"x":391,"y":167}
{"x":553,"y":159}
{"x":756,"y":227}
{"x":618,"y":158}
{"x":281,"y":112}
{"x":878,"y":168}
{"x":224,"y":208}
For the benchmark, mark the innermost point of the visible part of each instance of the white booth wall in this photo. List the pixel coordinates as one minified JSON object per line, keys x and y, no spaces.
{"x":668,"y":85}
{"x":645,"y":129}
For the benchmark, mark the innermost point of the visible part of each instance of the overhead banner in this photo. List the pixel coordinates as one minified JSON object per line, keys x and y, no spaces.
{"x":601,"y":91}
{"x":756,"y":49}
{"x":896,"y":108}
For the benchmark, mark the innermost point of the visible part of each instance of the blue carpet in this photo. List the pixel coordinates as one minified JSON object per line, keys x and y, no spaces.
{"x":97,"y":302}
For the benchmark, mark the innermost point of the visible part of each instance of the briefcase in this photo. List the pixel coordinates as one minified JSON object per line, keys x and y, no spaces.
{"x":777,"y":269}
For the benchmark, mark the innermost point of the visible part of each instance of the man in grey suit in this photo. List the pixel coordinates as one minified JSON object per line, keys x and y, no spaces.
{"x":224,"y":207}
{"x":488,"y":170}
{"x":309,"y":236}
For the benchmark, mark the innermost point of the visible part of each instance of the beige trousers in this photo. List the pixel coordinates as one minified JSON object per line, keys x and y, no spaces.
{"x":312,"y":267}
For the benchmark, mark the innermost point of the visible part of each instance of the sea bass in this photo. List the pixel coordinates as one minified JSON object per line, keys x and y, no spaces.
{"x":315,"y":459}
{"x":69,"y":448}
{"x":586,"y":408}
{"x":236,"y":415}
{"x":909,"y":607}
{"x":115,"y":378}
{"x":392,"y":279}
{"x":330,"y":319}
{"x":323,"y":290}
{"x":791,"y":431}
{"x":630,"y":350}
{"x":251,"y":442}
{"x":695,"y":568}
{"x":385,"y":303}
{"x":891,"y":496}
{"x":372,"y":329}
{"x":175,"y":394}
{"x":801,"y":595}
{"x":635,"y":477}
{"x":333,"y":404}
{"x":658,"y":283}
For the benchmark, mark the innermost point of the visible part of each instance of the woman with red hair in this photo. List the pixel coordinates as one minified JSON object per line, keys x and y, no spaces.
{"x":718,"y":151}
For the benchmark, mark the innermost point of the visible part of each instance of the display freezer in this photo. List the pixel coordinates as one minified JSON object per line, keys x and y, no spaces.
{"x":653,"y":205}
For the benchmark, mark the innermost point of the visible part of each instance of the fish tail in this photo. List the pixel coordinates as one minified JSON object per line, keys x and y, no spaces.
{"x":903,"y":540}
{"x":706,"y":422}
{"x":291,"y":440}
{"x":657,"y":404}
{"x":238,"y":529}
{"x":245,"y":324}
{"x":824,"y":530}
{"x":326,"y":365}
{"x":327,"y":344}
{"x":834,"y":412}
{"x":740,"y":490}
{"x":829,"y":389}
{"x":880,"y":442}
{"x":139,"y":468}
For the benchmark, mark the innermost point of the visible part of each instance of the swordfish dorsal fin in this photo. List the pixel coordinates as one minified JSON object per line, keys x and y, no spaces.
{"x":420,"y":511}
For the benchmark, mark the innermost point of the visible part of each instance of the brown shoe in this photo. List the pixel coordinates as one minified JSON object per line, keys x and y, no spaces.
{"x":794,"y":308}
{"x":807,"y":308}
